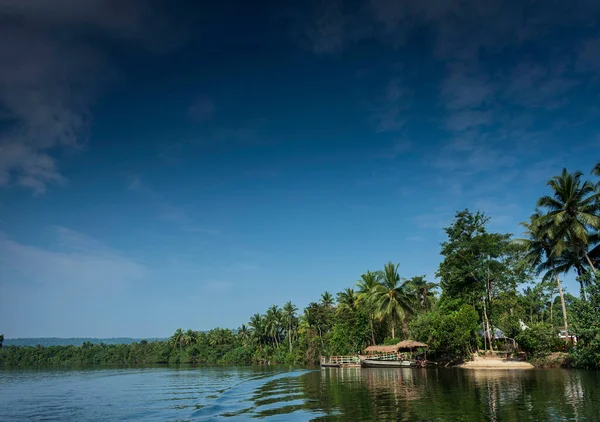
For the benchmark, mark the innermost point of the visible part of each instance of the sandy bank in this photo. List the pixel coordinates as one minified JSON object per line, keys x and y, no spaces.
{"x":495,"y":363}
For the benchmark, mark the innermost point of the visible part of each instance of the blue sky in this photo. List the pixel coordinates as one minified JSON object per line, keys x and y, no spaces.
{"x":188,"y":167}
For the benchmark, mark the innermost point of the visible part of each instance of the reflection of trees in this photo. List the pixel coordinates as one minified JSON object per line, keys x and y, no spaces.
{"x":452,"y":394}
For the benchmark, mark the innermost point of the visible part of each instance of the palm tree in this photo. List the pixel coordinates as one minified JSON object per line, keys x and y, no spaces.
{"x":573,"y":210}
{"x":190,"y":337}
{"x":596,"y":169}
{"x":289,"y":316}
{"x":423,"y":290}
{"x":177,"y":338}
{"x":366,"y":285}
{"x":273,"y":323}
{"x":540,"y":254}
{"x":327,"y":299}
{"x":390,"y":296}
{"x":244,"y":334}
{"x":257,"y":324}
{"x":347,"y":300}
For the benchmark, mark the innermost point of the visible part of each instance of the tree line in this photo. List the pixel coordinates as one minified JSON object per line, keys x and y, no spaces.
{"x":487,"y":282}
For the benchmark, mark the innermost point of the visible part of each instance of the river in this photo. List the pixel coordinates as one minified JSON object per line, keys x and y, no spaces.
{"x":291,"y":394}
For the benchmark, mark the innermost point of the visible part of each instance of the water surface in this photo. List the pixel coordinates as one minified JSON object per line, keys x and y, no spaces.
{"x":241,"y":393}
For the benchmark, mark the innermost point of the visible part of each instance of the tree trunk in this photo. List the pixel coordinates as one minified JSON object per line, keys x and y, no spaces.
{"x":589,"y":261}
{"x":372,"y":332}
{"x":290,"y":336}
{"x":393,"y":332}
{"x":487,"y":324}
{"x":551,"y":317}
{"x":564,"y":308}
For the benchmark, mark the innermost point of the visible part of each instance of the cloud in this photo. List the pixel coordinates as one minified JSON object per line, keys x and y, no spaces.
{"x":51,"y":75}
{"x":77,"y":264}
{"x":388,"y":115}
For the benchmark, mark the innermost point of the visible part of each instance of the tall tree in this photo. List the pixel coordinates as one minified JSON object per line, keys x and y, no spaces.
{"x":390,"y":296}
{"x":289,"y":316}
{"x":366,"y":286}
{"x":257,"y":323}
{"x":177,"y":338}
{"x":573,"y":211}
{"x":273,"y":323}
{"x":540,"y":254}
{"x":422,"y":290}
{"x":347,"y":300}
{"x":327,"y":299}
{"x":477,"y":264}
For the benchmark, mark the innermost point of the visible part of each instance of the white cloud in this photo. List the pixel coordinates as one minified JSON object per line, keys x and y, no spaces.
{"x":51,"y":76}
{"x":77,"y":264}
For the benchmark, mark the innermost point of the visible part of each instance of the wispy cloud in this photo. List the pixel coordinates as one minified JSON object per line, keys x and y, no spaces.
{"x":75,"y":263}
{"x":49,"y":82}
{"x":388,"y":113}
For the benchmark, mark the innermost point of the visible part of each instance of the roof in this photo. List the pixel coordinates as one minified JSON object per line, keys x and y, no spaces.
{"x":404,"y":344}
{"x":382,"y":349}
{"x":496,"y":333}
{"x":410,"y":344}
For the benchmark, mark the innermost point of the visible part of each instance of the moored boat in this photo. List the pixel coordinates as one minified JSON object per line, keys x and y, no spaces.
{"x":406,"y":353}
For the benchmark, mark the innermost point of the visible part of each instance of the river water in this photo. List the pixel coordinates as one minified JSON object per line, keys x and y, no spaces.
{"x":290,"y":394}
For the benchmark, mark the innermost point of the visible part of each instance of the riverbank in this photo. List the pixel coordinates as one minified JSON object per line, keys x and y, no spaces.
{"x":487,"y":362}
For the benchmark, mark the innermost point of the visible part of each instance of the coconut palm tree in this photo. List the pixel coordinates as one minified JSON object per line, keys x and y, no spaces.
{"x":596,"y":169}
{"x":390,"y":296}
{"x":573,"y":211}
{"x":177,"y":338}
{"x":257,"y":324}
{"x":423,"y":291}
{"x":289,"y":316}
{"x":327,"y":299}
{"x":243,"y":334}
{"x":366,"y":285}
{"x":540,"y":253}
{"x":347,"y":300}
{"x":190,"y":337}
{"x":273,"y":323}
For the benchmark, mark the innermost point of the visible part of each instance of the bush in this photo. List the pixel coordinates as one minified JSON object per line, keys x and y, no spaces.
{"x":539,"y":339}
{"x":451,"y":335}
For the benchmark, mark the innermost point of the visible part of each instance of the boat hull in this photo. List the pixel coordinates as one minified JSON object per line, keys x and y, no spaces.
{"x":373,"y":363}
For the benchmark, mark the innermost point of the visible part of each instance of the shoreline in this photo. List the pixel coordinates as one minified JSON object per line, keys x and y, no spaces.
{"x":495,"y":363}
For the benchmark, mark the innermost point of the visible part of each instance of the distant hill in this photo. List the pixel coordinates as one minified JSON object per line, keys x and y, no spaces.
{"x":76,"y":341}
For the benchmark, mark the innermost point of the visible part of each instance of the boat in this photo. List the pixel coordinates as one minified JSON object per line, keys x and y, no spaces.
{"x":401,"y":355}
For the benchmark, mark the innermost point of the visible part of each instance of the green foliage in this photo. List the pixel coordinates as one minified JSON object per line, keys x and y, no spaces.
{"x":539,"y":339}
{"x":586,"y":326}
{"x":451,"y":334}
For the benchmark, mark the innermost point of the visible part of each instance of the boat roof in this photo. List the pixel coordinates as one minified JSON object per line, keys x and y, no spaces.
{"x":404,"y":344}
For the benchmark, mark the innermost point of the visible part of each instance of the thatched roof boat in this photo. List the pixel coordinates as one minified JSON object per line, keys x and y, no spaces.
{"x":403,"y":345}
{"x":389,"y":356}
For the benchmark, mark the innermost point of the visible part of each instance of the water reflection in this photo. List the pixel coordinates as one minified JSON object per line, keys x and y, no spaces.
{"x":300,"y":394}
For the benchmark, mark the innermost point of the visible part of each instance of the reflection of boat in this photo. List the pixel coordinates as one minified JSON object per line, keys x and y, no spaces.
{"x":398,"y":355}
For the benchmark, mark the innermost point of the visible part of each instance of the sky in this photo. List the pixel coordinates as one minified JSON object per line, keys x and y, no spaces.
{"x":189,"y":164}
